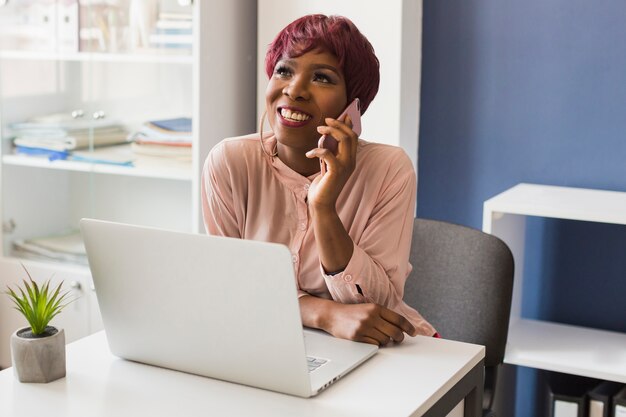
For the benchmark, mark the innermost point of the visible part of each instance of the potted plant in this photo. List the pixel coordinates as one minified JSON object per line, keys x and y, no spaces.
{"x":38,"y":351}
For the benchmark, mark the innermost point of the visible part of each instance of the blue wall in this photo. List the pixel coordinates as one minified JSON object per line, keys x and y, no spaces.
{"x":531,"y":91}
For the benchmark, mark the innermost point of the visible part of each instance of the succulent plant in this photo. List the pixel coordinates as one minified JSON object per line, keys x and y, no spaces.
{"x":38,"y":304}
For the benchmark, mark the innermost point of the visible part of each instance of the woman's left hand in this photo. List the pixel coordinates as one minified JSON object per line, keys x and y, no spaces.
{"x":326,"y":188}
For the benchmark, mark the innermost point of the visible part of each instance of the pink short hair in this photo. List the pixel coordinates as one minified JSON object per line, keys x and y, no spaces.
{"x":339,"y":36}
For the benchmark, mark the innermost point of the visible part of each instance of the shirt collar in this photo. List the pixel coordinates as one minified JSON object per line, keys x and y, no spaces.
{"x":293,"y":180}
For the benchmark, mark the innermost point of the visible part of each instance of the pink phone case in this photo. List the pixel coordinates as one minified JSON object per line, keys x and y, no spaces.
{"x":354,"y":111}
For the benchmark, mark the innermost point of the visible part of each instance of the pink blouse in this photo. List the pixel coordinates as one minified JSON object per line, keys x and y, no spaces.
{"x":248,"y":194}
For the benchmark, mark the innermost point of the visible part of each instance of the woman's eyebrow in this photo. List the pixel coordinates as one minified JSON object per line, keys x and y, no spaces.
{"x":287,"y":61}
{"x":293,"y":63}
{"x":326,"y":66}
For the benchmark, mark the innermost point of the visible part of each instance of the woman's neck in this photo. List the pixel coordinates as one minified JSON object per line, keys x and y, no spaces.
{"x":296,"y":159}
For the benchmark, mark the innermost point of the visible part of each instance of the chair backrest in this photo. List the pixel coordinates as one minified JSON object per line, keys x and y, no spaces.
{"x":462,"y":283}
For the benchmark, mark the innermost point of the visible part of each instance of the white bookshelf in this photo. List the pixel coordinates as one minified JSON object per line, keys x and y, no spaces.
{"x":41,"y":198}
{"x":545,"y":345}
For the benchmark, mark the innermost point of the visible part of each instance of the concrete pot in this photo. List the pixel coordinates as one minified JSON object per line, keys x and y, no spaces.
{"x":40,"y":359}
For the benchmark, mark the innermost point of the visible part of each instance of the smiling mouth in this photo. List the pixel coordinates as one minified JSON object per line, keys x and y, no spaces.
{"x":293,"y":116}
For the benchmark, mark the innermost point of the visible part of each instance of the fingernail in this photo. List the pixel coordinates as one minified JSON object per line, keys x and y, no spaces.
{"x":320,"y":128}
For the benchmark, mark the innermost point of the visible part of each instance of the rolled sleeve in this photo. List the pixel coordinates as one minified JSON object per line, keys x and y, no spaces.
{"x":343,"y":286}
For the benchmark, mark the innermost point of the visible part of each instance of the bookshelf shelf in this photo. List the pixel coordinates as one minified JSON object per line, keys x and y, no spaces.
{"x":62,"y":267}
{"x":546,"y":345}
{"x":168,"y":173}
{"x":137,"y":57}
{"x":568,"y":349}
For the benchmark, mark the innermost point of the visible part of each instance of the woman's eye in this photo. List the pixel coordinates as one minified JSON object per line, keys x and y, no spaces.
{"x":322,"y":78}
{"x":282,"y":71}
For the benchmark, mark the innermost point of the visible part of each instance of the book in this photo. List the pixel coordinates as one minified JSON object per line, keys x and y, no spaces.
{"x":179,"y":124}
{"x":171,"y":39}
{"x":174,"y":24}
{"x":600,"y":398}
{"x":173,"y":31}
{"x":178,"y":152}
{"x":619,"y":403}
{"x":568,"y":394}
{"x":169,"y":132}
{"x":74,"y":141}
{"x":146,"y":134}
{"x":175,"y":16}
{"x":120,"y":155}
{"x":63,"y":121}
{"x":64,"y":247}
{"x":67,"y":26}
{"x":52,"y":155}
{"x":163,"y":143}
{"x":60,"y":133}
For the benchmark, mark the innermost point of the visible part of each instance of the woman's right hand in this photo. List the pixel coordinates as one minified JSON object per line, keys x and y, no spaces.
{"x":369,"y":323}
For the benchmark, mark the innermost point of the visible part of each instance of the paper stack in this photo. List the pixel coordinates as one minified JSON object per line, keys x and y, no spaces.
{"x":173,"y":30}
{"x":65,"y":247}
{"x":163,"y":142}
{"x":56,"y":135}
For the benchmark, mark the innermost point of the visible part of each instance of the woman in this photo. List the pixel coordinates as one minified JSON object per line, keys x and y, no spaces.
{"x":348,"y":227}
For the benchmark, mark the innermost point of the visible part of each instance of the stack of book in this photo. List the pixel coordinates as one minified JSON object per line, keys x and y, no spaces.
{"x":173,"y":30}
{"x":55,"y":136}
{"x":163,"y":142}
{"x":575,"y":396}
{"x":64,"y":247}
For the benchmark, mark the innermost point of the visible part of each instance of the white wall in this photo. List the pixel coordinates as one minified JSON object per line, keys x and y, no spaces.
{"x":394,"y":29}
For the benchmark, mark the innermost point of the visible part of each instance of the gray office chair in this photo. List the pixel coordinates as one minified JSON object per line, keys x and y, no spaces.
{"x":462,"y":282}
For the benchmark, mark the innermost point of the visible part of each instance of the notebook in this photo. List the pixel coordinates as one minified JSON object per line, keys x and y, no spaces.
{"x":213,"y":306}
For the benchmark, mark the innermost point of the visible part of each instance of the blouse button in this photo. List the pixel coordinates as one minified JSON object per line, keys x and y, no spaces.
{"x":294,"y":258}
{"x":306,"y":187}
{"x":347,"y":278}
{"x":303,"y":226}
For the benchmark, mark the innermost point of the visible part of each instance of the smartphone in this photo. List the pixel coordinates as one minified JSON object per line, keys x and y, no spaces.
{"x":354,"y":111}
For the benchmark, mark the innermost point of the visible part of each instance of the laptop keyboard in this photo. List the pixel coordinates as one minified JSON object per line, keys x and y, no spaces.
{"x":315,"y":363}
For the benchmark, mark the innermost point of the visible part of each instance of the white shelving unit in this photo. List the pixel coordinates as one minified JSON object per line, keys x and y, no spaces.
{"x":214,"y":84}
{"x":545,"y":345}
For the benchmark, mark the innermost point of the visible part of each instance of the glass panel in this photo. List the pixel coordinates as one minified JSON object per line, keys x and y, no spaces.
{"x":136,"y":27}
{"x":37,"y":97}
{"x":80,"y":85}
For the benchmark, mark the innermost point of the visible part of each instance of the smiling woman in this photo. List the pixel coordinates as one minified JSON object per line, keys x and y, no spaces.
{"x":348,"y":227}
{"x":302,"y":92}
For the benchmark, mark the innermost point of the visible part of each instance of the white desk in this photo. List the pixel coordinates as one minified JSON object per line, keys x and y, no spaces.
{"x":421,"y":377}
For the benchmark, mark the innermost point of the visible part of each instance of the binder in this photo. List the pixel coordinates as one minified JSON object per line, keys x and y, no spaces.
{"x":568,"y":395}
{"x":600,"y":398}
{"x":619,"y":403}
{"x":67,"y":25}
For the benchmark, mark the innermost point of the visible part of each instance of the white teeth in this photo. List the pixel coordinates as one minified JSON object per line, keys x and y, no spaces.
{"x":295,"y":116}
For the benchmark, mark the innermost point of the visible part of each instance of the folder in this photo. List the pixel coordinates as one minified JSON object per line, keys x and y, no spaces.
{"x":600,"y":398}
{"x":568,"y":395}
{"x":67,"y":25}
{"x":619,"y":403}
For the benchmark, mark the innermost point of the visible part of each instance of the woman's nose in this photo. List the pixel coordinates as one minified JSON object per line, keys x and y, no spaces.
{"x":297,"y":89}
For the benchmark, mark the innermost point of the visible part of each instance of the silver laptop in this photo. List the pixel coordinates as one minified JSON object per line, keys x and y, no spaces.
{"x":213,"y":306}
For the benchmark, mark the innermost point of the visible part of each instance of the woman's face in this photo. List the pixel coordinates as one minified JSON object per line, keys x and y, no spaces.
{"x":301,"y":93}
